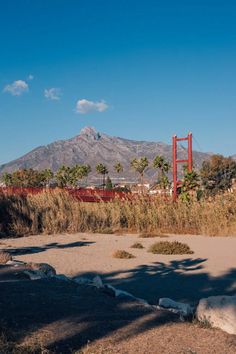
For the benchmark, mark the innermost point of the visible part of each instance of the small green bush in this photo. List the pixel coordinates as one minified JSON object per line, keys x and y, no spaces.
{"x":166,"y":247}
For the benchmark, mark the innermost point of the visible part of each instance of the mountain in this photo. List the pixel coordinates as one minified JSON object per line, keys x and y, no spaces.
{"x":91,"y":147}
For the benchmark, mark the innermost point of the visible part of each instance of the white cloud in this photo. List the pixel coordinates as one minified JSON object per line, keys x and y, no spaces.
{"x":30,"y":77}
{"x":84,"y":106}
{"x":53,"y":93}
{"x":16,"y":88}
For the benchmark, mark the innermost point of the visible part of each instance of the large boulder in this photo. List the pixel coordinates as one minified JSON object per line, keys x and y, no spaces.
{"x":219,"y":312}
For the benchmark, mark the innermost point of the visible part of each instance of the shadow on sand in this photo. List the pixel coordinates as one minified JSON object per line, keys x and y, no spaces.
{"x":75,"y":314}
{"x":38,"y":249}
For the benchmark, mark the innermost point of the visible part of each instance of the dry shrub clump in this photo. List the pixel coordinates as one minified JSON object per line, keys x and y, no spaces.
{"x":137,"y":245}
{"x":166,"y":247}
{"x":5,"y":257}
{"x":123,"y":254}
{"x":56,"y":211}
{"x":150,"y":235}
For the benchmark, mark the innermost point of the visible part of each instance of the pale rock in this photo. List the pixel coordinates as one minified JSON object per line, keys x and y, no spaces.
{"x":177,"y":307}
{"x":97,"y":281}
{"x":219,"y":312}
{"x":82,"y":280}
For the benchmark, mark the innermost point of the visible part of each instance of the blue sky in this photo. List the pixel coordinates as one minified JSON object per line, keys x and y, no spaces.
{"x":137,"y":69}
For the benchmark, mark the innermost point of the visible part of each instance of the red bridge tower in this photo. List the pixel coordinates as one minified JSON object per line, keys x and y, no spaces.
{"x":189,"y":160}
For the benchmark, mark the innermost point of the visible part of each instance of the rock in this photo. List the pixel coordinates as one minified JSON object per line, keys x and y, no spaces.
{"x":109,"y":289}
{"x":177,"y":307}
{"x":97,"y":281}
{"x":43,"y":268}
{"x":5,"y":257}
{"x":35,"y":275}
{"x":219,"y":312}
{"x":82,"y":280}
{"x":15,"y":263}
{"x":62,"y":277}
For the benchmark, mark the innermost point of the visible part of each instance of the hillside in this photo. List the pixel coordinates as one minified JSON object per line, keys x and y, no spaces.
{"x":91,"y":147}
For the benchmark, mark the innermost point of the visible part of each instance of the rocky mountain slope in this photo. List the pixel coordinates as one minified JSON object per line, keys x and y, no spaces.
{"x":91,"y":147}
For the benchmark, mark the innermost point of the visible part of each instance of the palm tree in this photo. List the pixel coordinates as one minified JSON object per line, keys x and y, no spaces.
{"x":62,"y":176}
{"x":102,"y":170}
{"x":118,"y":167}
{"x":139,"y":165}
{"x":78,"y":172}
{"x":162,"y":167}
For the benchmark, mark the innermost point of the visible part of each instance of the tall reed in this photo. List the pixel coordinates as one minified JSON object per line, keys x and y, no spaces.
{"x":57,"y":212}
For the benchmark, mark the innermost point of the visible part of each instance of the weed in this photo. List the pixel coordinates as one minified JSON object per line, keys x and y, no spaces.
{"x":122,"y":254}
{"x":166,"y":247}
{"x":137,"y":245}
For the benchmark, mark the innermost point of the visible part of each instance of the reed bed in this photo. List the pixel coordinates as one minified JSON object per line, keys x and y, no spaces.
{"x":56,"y":212}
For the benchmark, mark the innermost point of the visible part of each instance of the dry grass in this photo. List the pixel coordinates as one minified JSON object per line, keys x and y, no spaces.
{"x":8,"y":345}
{"x":5,"y":257}
{"x":150,"y":235}
{"x":123,"y":254}
{"x":137,"y":245}
{"x":57,"y":212}
{"x":166,"y":247}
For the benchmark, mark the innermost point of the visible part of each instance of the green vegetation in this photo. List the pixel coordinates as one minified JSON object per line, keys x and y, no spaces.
{"x":27,"y":178}
{"x":123,"y":254}
{"x":217,"y":174}
{"x":163,"y":168}
{"x":140,"y":165}
{"x":190,"y":185}
{"x":108,"y":184}
{"x":118,"y":167}
{"x":70,"y":176}
{"x":103,"y":171}
{"x":166,"y":247}
{"x":64,"y":177}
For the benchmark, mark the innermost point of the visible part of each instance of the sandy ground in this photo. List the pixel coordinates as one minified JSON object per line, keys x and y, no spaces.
{"x":211,"y":270}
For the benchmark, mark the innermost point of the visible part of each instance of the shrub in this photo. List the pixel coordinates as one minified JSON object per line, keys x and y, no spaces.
{"x":122,"y":254}
{"x":137,"y":245}
{"x":5,"y":257}
{"x":150,"y":235}
{"x":166,"y":247}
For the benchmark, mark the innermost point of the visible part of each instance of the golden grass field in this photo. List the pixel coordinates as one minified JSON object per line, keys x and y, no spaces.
{"x":57,"y":212}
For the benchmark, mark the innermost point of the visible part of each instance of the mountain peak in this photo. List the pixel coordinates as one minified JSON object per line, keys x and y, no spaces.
{"x":90,"y":148}
{"x":89,"y":131}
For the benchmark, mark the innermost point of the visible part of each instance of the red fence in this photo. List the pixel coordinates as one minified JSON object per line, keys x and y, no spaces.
{"x":82,"y":194}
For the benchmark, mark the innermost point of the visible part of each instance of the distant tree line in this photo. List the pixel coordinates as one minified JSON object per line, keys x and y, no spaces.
{"x":73,"y":176}
{"x":216,"y":175}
